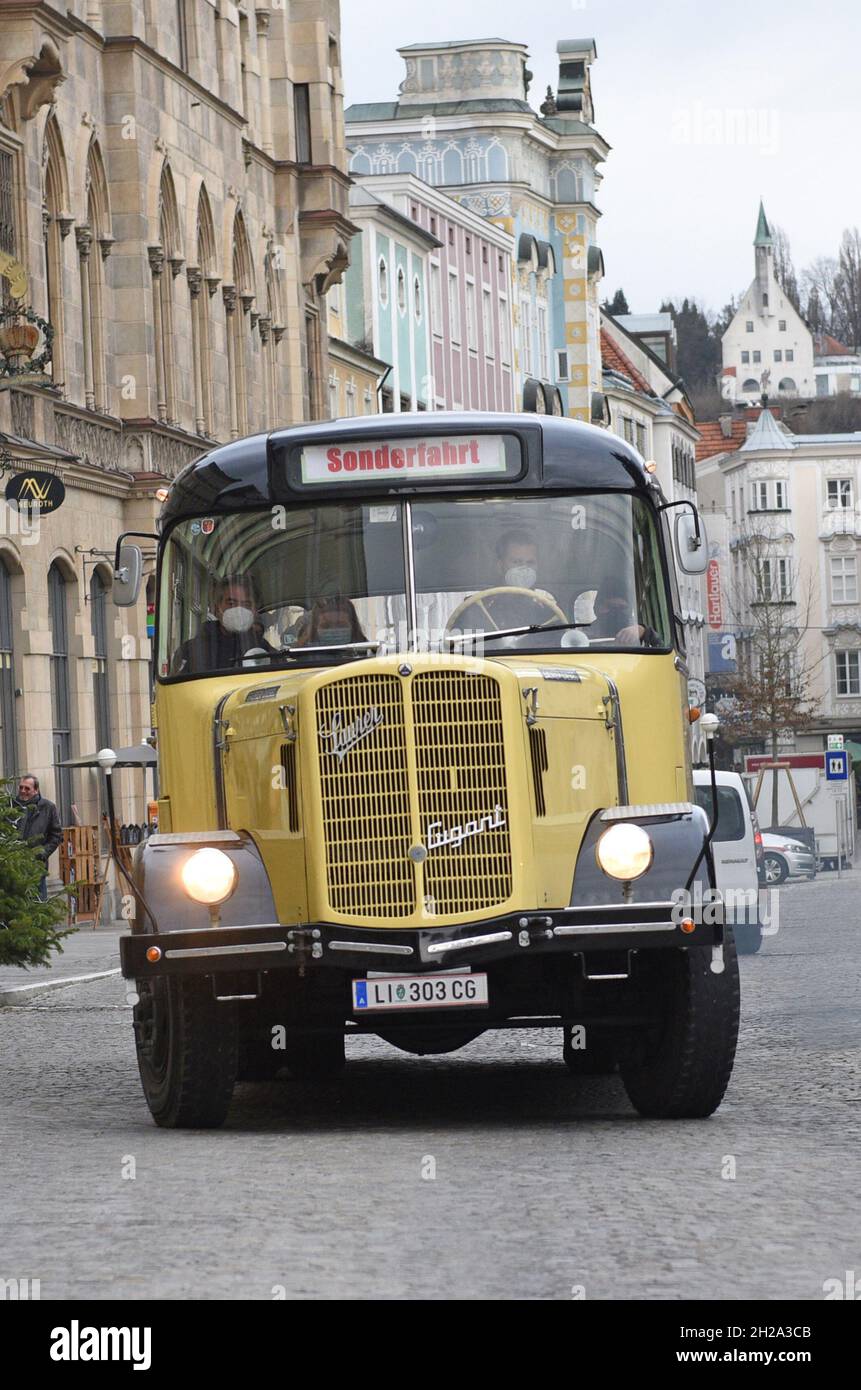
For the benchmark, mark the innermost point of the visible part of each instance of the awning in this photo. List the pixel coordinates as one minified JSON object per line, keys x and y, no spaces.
{"x":142,"y":755}
{"x":853,"y":749}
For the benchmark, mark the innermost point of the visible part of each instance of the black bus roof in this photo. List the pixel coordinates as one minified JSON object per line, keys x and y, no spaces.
{"x":259,"y":470}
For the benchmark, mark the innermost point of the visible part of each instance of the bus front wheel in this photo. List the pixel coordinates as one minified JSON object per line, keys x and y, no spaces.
{"x":683,"y":1065}
{"x":187,"y":1048}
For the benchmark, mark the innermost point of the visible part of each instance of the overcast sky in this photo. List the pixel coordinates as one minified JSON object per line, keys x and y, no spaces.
{"x":706,"y":107}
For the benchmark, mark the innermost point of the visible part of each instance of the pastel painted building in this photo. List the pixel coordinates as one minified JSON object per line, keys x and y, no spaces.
{"x":385,"y":298}
{"x":469,"y":301}
{"x":463,"y":124}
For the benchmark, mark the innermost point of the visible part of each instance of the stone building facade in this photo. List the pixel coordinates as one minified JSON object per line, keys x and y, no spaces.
{"x":173,"y":180}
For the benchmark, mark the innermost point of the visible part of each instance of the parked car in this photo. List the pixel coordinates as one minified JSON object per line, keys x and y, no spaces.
{"x":737,"y":850}
{"x":786,"y":858}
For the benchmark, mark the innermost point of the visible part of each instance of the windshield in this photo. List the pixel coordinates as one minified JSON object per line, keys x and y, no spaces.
{"x":336,"y":581}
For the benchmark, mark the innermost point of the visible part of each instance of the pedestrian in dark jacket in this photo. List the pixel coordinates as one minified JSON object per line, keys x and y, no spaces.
{"x":39,"y":825}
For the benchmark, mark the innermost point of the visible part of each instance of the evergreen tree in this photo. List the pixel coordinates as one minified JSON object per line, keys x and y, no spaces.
{"x":814,"y":314}
{"x":617,"y":305}
{"x":28,"y":928}
{"x":698,"y":354}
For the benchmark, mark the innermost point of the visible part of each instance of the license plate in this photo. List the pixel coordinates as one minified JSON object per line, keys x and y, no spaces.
{"x":419,"y":992}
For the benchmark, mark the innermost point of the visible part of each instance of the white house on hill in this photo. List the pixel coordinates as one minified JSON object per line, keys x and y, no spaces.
{"x":768,"y":347}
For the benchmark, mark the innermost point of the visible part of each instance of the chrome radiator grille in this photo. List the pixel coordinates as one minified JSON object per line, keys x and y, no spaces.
{"x":406,"y":763}
{"x":366,"y":800}
{"x":460,"y":774}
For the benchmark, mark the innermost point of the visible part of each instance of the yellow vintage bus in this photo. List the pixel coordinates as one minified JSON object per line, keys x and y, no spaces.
{"x":423,"y":738}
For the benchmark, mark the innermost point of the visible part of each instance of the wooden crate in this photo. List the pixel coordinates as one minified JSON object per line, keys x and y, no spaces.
{"x":80,"y":867}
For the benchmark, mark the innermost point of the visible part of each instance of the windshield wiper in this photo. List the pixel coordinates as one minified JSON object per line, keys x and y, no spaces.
{"x":333,"y":647}
{"x":513,"y":632}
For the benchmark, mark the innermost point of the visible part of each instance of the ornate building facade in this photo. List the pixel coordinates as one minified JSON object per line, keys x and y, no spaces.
{"x":799,"y":495}
{"x":173,"y":181}
{"x":463,"y":124}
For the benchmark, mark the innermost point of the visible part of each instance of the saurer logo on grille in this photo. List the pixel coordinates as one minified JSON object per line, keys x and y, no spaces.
{"x":438,"y":836}
{"x":342,"y":737}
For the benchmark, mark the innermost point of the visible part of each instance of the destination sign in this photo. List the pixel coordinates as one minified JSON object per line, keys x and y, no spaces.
{"x":432,"y":456}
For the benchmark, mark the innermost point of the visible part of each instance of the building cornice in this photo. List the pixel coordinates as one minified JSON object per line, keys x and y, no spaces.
{"x":411,"y":126}
{"x":442,"y":202}
{"x":348,"y":352}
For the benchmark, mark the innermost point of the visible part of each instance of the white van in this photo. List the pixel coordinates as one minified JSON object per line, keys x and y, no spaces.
{"x":737,"y":850}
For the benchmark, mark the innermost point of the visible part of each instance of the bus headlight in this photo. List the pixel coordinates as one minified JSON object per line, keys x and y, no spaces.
{"x":624,"y":851}
{"x":209,"y":876}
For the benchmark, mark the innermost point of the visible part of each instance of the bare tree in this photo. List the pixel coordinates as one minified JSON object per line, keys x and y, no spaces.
{"x":821,"y":278}
{"x":770,"y":695}
{"x":848,"y":287}
{"x":784,"y":270}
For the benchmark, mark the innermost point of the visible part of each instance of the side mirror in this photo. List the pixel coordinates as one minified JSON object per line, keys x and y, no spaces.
{"x":692,"y":549}
{"x":127,"y":576}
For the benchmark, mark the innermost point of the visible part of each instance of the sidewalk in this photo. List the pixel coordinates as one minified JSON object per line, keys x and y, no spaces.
{"x":86,"y":952}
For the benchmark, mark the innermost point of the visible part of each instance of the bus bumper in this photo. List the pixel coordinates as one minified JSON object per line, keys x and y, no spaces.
{"x":266,"y":947}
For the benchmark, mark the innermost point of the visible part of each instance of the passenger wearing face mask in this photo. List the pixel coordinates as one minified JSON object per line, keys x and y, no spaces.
{"x":224,"y":640}
{"x":332,"y":622}
{"x":517,"y":568}
{"x":616,"y":620}
{"x":517,"y":555}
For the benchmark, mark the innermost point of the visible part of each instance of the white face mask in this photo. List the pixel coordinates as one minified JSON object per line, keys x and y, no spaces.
{"x":237,"y":619}
{"x":521,"y":576}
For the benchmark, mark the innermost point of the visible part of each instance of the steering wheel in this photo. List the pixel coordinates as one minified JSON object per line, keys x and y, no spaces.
{"x":483,"y":601}
{"x":254,"y":652}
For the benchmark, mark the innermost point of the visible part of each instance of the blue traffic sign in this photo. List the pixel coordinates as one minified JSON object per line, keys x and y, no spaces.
{"x":837,"y":766}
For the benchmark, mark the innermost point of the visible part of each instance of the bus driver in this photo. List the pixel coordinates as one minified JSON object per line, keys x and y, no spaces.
{"x":223,"y":641}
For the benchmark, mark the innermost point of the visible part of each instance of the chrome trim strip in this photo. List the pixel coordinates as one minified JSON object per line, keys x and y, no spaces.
{"x":409,"y":560}
{"x":246,"y":949}
{"x":466,"y":941}
{"x":219,"y":748}
{"x":657,"y":808}
{"x":617,"y":907}
{"x":193,"y":837}
{"x":618,"y":738}
{"x":373,"y":947}
{"x":613,"y":928}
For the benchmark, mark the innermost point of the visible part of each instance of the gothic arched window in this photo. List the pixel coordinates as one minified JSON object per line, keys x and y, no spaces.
{"x":165,"y":263}
{"x":101,"y":683}
{"x":61,"y":700}
{"x":8,"y":716}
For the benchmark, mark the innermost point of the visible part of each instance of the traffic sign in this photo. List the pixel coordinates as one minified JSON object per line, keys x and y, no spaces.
{"x":837,"y":766}
{"x":835,"y":743}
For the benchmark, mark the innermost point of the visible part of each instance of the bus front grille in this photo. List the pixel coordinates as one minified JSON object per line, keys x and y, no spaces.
{"x":367,"y":828}
{"x":414,"y":764}
{"x":462,"y":792}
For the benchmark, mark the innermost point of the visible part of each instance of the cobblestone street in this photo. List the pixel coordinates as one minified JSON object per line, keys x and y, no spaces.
{"x":541,"y":1184}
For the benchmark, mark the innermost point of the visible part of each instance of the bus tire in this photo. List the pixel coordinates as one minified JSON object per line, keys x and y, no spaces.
{"x":683,"y":1067}
{"x":187,"y":1047}
{"x":748,"y":938}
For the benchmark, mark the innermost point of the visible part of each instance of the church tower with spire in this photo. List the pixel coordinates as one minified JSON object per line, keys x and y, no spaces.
{"x":767,"y":350}
{"x":764,"y":258}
